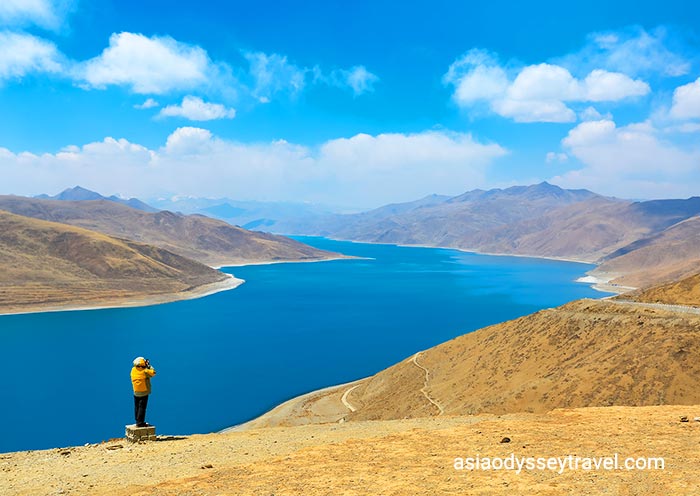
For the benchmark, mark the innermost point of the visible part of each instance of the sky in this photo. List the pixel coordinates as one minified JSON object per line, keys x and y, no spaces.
{"x":354,"y":104}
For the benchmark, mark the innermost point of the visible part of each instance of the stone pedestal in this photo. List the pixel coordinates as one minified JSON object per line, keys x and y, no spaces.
{"x":136,"y":434}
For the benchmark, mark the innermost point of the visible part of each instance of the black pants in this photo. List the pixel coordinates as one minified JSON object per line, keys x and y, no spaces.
{"x":140,"y":404}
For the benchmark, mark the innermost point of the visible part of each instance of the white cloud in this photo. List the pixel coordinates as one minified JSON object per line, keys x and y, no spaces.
{"x":604,"y":86}
{"x":544,"y":82}
{"x":533,"y":110}
{"x":155,"y":65}
{"x":538,"y":93}
{"x":188,"y":141}
{"x":686,"y":101}
{"x":362,"y":170}
{"x":149,"y":103}
{"x":44,"y":13}
{"x":482,"y":83}
{"x":630,"y":161}
{"x":24,"y":54}
{"x":162,"y":65}
{"x":196,"y":109}
{"x":357,"y":78}
{"x":476,"y":76}
{"x":591,"y":114}
{"x":686,"y":127}
{"x":556,"y":157}
{"x":274,"y":74}
{"x":633,"y":51}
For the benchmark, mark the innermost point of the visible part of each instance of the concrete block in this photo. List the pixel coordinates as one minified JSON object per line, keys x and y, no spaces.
{"x":136,"y":434}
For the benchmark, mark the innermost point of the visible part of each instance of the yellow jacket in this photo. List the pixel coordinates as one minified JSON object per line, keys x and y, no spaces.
{"x":141,"y":380}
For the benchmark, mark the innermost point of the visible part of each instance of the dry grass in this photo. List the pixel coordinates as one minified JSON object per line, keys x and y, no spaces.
{"x":585,"y":353}
{"x":45,"y":264}
{"x":390,"y":458}
{"x":683,"y":292}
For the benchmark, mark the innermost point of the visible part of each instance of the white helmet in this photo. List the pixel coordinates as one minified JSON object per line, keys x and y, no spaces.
{"x":139,"y":361}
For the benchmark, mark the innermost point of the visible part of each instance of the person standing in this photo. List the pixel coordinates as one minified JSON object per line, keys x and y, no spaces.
{"x":141,"y":374}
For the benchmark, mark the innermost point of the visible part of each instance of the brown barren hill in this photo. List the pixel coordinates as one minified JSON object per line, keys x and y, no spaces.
{"x":670,"y":255}
{"x":585,"y":353}
{"x":210,"y":241}
{"x":683,"y":292}
{"x":46,"y":266}
{"x":414,"y":457}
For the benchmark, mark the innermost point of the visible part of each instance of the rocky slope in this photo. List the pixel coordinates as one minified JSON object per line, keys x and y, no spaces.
{"x":683,"y":292}
{"x":46,"y":265}
{"x":585,"y":353}
{"x":668,"y":255}
{"x":200,"y":238}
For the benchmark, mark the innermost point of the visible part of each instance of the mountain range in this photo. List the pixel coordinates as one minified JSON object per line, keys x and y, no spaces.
{"x":634,"y":243}
{"x":253,"y":215}
{"x":200,"y":238}
{"x":79,"y":193}
{"x":80,"y":248}
{"x":637,"y":243}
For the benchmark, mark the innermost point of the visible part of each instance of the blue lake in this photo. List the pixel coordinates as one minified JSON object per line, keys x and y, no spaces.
{"x":291,"y":328}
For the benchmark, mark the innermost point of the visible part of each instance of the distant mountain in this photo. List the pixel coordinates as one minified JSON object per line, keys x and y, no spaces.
{"x":47,"y":265}
{"x":450,"y":222}
{"x":639,"y":240}
{"x":225,"y":211}
{"x":81,"y":194}
{"x":200,"y":238}
{"x":275,"y":217}
{"x":591,"y":230}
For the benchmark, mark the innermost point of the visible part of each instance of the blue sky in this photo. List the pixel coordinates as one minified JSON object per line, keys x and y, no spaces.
{"x":356,"y":104}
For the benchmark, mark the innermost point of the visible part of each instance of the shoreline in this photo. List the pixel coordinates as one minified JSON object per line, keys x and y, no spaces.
{"x":295,"y":401}
{"x":275,"y":262}
{"x":597,"y":285}
{"x":230,"y":282}
{"x":464,"y":250}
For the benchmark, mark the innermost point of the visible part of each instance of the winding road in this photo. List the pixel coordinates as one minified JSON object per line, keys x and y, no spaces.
{"x":658,"y":306}
{"x":424,"y":389}
{"x":345,"y":401}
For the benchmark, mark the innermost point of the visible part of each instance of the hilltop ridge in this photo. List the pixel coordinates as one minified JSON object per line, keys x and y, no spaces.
{"x":200,"y":238}
{"x":78,"y":193}
{"x":52,"y":266}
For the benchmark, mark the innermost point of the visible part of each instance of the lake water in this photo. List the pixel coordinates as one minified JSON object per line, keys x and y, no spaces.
{"x":290,"y":329}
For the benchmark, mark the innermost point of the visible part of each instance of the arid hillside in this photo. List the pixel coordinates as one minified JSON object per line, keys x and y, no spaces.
{"x":683,"y":292}
{"x":669,"y":255}
{"x":585,"y":353}
{"x":388,"y":458}
{"x":209,"y":241}
{"x":46,"y":265}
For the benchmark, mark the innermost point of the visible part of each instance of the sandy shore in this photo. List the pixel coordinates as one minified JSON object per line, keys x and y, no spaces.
{"x":275,"y":262}
{"x":230,"y":282}
{"x":603,"y":284}
{"x":320,"y":406}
